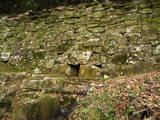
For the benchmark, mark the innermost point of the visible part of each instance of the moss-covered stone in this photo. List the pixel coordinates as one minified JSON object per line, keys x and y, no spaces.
{"x":53,"y":38}
{"x":156,"y":20}
{"x":60,"y":69}
{"x":47,"y":83}
{"x":88,"y":40}
{"x":90,"y":71}
{"x":98,"y":14}
{"x":120,"y":58}
{"x":44,"y":108}
{"x":139,"y":67}
{"x":96,"y":29}
{"x":146,"y":10}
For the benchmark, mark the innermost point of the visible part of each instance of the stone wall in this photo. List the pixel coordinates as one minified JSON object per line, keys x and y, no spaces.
{"x":101,"y":39}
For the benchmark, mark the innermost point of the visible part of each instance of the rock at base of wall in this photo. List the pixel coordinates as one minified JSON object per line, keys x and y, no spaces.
{"x":44,"y":108}
{"x":90,"y":71}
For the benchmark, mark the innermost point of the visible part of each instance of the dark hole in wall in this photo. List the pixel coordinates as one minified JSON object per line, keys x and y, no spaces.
{"x":73,"y":70}
{"x":99,"y":66}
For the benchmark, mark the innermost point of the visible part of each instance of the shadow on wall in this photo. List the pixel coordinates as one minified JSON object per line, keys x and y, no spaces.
{"x":18,"y":6}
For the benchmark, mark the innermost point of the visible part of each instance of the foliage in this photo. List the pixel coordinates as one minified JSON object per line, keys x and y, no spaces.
{"x":16,"y":6}
{"x":96,"y":107}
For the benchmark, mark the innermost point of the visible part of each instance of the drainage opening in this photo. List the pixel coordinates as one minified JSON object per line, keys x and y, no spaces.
{"x":73,"y":70}
{"x":99,"y":66}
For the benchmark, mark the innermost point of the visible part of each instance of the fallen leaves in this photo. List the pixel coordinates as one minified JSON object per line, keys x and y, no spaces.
{"x":139,"y":89}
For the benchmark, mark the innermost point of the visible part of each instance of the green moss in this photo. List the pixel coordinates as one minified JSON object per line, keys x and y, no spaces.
{"x":21,"y":35}
{"x":55,"y":32}
{"x":131,"y":22}
{"x":5,"y":101}
{"x":133,"y":16}
{"x":137,"y":29}
{"x":156,"y":20}
{"x":128,"y":69}
{"x":98,"y":14}
{"x":90,"y":109}
{"x":120,"y":58}
{"x":105,"y":22}
{"x":26,"y":111}
{"x":145,"y":11}
{"x":50,"y":84}
{"x":96,"y":29}
{"x":89,"y":71}
{"x":44,"y":108}
{"x":138,"y":68}
{"x":68,"y":102}
{"x":60,"y":69}
{"x":5,"y":67}
{"x":49,"y":107}
{"x":144,"y":5}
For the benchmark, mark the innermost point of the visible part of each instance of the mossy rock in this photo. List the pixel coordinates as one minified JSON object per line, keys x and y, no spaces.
{"x":139,"y":67}
{"x":5,"y":102}
{"x":46,"y":107}
{"x":60,"y":69}
{"x":90,"y":72}
{"x":67,"y":104}
{"x":31,"y":37}
{"x":128,"y":69}
{"x":145,"y":11}
{"x":96,"y":30}
{"x":156,"y":20}
{"x":120,"y":58}
{"x":47,"y":83}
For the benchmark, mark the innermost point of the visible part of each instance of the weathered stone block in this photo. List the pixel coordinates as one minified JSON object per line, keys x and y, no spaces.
{"x":119,"y":58}
{"x":156,"y":51}
{"x":44,"y":108}
{"x":50,"y":63}
{"x":96,"y":29}
{"x":43,"y":84}
{"x":60,"y":69}
{"x":90,"y":71}
{"x":80,"y":57}
{"x":146,"y":10}
{"x":5,"y":56}
{"x":98,"y":59}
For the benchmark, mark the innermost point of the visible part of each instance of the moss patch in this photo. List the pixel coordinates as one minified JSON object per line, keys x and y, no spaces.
{"x":44,"y":108}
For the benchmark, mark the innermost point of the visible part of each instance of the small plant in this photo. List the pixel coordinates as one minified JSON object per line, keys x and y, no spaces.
{"x":158,"y":78}
{"x":132,"y":95}
{"x":96,"y":107}
{"x":30,"y":5}
{"x":110,"y":115}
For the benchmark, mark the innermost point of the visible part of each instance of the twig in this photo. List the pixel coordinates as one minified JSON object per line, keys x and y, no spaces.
{"x":152,"y":117}
{"x":148,"y":108}
{"x":138,"y":112}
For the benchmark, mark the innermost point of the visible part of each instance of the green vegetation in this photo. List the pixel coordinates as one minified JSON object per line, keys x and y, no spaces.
{"x":16,"y":6}
{"x":51,"y":58}
{"x":96,"y":107}
{"x":43,"y":108}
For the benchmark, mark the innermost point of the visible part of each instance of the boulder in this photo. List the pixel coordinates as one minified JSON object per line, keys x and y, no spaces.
{"x":156,"y":51}
{"x":45,"y":107}
{"x":5,"y":56}
{"x":90,"y":71}
{"x":47,"y":83}
{"x":80,"y":57}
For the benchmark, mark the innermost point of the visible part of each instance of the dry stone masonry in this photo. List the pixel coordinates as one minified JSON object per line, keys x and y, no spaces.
{"x":86,"y":40}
